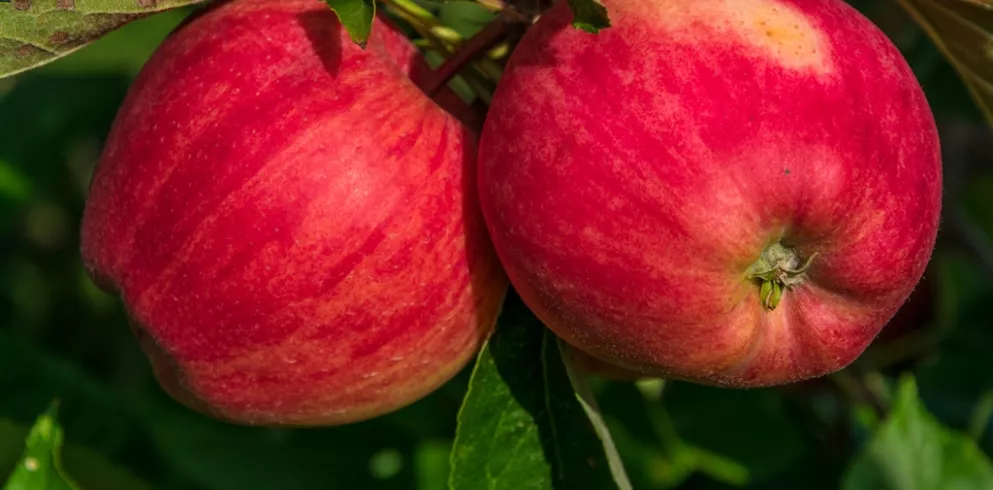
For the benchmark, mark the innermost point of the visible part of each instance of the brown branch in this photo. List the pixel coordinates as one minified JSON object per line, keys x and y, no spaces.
{"x":472,"y":49}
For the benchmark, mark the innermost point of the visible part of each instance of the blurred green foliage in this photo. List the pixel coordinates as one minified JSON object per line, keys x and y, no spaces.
{"x":911,"y":436}
{"x":62,"y":338}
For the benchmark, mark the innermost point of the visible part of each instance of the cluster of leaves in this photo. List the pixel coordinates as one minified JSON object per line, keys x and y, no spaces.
{"x":521,"y":417}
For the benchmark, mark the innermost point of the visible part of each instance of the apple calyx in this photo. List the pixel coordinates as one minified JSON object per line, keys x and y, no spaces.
{"x":777,"y":268}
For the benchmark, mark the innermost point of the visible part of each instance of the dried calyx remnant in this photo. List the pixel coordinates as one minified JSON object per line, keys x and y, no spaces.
{"x":778,"y":268}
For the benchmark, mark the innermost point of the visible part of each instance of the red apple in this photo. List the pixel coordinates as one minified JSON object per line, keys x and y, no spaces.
{"x":291,"y":222}
{"x":734,"y":192}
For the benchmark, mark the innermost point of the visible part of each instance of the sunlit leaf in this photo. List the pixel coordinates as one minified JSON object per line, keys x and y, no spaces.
{"x":522,"y":423}
{"x":40,"y":467}
{"x":963,"y":31}
{"x":35,"y":32}
{"x":88,"y":468}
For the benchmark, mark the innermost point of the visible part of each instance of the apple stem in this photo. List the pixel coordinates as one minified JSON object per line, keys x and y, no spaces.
{"x":471,"y":49}
{"x":776,"y":270}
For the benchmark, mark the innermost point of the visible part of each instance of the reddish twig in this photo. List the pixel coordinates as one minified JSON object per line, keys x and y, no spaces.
{"x":471,"y":49}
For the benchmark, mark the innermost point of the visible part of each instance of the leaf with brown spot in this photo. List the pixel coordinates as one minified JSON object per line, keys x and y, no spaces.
{"x":36,"y":32}
{"x":963,"y":31}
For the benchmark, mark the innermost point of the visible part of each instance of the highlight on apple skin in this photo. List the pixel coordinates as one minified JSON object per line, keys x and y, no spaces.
{"x":291,"y":223}
{"x":738,"y":193}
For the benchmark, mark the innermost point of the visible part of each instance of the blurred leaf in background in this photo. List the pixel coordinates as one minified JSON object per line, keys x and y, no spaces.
{"x":913,"y":451}
{"x":62,"y":337}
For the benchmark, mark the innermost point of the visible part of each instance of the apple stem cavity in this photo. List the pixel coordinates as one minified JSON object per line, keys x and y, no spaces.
{"x":777,"y":269}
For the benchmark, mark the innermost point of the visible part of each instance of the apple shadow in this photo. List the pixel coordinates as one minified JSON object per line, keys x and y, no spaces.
{"x":323,"y":30}
{"x":487,"y":280}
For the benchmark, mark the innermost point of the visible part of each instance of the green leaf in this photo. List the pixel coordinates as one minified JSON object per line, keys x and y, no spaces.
{"x":431,"y":463}
{"x":963,"y":31}
{"x":522,"y":425}
{"x":88,"y":468}
{"x":466,"y":18}
{"x":40,"y":467}
{"x":35,"y":32}
{"x":589,"y":15}
{"x":913,"y":451}
{"x":356,"y":16}
{"x":123,"y":51}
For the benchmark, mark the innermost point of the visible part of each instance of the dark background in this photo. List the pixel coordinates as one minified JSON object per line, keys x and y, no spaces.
{"x":60,"y":337}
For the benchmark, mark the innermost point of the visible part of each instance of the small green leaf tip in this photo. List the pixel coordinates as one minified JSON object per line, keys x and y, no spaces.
{"x":589,"y":15}
{"x":40,"y":465}
{"x":356,"y":16}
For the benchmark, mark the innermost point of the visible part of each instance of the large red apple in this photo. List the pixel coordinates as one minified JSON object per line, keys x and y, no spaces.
{"x":291,"y":222}
{"x":733,"y":192}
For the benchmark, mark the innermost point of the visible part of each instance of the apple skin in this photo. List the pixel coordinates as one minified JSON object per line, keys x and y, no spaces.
{"x":914,"y":315}
{"x":291,"y":223}
{"x":632,"y":181}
